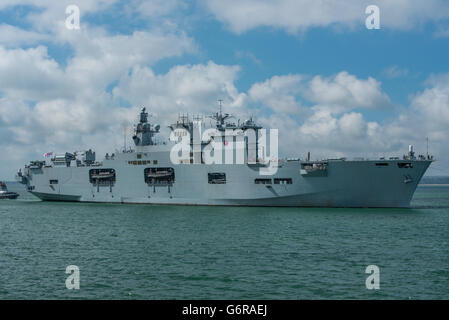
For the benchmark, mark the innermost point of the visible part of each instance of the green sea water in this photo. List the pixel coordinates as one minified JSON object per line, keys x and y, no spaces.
{"x":187,"y":252}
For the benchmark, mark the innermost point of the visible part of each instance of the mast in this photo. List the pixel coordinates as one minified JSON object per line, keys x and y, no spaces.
{"x":219,"y":117}
{"x":124,"y":139}
{"x":220,"y":101}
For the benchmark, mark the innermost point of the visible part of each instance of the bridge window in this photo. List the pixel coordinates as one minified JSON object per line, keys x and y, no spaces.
{"x":283,"y":181}
{"x":405,"y":165}
{"x":53,"y":181}
{"x":262,"y":181}
{"x":140,"y":162}
{"x":382,"y":164}
{"x":216,"y":178}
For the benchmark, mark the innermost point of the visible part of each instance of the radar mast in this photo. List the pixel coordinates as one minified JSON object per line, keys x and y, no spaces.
{"x":219,"y":117}
{"x":145,"y":131}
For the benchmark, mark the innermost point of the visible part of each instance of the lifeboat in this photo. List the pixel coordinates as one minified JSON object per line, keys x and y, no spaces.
{"x":103,"y":175}
{"x":159,"y":174}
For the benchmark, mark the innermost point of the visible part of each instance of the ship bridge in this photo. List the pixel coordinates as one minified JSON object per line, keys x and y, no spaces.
{"x":145,"y":131}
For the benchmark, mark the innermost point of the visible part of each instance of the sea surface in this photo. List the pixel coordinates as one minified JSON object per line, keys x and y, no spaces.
{"x":187,"y":252}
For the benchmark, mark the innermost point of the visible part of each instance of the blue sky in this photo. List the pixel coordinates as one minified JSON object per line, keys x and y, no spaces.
{"x":311,"y":69}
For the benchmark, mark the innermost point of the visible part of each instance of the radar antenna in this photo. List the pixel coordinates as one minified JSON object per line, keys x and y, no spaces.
{"x":220,"y":101}
{"x":219,"y":117}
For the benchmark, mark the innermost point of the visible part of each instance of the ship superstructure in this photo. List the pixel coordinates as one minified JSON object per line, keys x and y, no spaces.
{"x":227,"y":164}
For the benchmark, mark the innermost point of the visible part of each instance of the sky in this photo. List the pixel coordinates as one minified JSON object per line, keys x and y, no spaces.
{"x":311,"y":69}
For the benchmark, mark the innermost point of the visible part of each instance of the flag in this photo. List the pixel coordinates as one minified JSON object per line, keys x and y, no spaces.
{"x":48,"y":154}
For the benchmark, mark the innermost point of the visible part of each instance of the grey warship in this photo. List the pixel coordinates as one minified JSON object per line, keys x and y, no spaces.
{"x":147,"y":174}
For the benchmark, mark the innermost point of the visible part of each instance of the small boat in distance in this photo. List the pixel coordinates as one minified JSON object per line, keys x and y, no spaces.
{"x":5,"y":194}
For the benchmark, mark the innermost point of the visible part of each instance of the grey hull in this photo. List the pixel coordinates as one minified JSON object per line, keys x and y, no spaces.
{"x":9,"y":195}
{"x":56,"y":197}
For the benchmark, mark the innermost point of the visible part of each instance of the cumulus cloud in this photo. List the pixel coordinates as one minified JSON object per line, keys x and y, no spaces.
{"x":327,"y":135}
{"x":331,"y":126}
{"x":159,"y":8}
{"x":278,"y":93}
{"x":336,"y":94}
{"x":12,"y":36}
{"x":188,"y":88}
{"x":298,"y":15}
{"x":68,"y":123}
{"x":49,"y":105}
{"x":30,"y":74}
{"x":83,"y":122}
{"x":58,"y":120}
{"x":347,"y":134}
{"x":429,"y":111}
{"x":99,"y":59}
{"x":49,"y":15}
{"x":345,"y":91}
{"x":327,"y":125}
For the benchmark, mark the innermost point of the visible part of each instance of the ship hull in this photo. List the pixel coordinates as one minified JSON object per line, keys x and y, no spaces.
{"x":9,"y":195}
{"x":343,"y":184}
